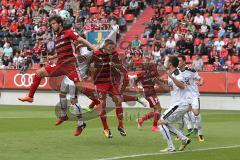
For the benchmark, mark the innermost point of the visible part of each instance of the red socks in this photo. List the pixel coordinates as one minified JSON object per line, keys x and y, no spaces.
{"x":103,"y":117}
{"x":119,"y":113}
{"x":148,"y":116}
{"x":156,"y":118}
{"x":34,"y":86}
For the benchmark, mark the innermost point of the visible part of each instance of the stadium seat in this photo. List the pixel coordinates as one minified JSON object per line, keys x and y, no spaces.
{"x":225,"y":40}
{"x":214,"y":15}
{"x":35,"y":66}
{"x":193,"y":57}
{"x":235,"y":40}
{"x":180,"y":16}
{"x":205,"y":59}
{"x":129,"y":17}
{"x":236,"y":24}
{"x":100,"y":2}
{"x":197,"y":41}
{"x":93,"y":10}
{"x":235,"y":59}
{"x":236,"y":67}
{"x":188,"y":59}
{"x":144,"y":41}
{"x":208,"y":67}
{"x":176,"y":9}
{"x":168,"y":9}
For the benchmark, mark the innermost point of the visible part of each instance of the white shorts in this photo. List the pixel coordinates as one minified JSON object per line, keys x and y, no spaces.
{"x":68,"y":86}
{"x":174,"y":113}
{"x":195,"y":103}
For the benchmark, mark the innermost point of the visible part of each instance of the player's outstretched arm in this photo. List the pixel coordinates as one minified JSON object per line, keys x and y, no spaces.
{"x":85,"y":42}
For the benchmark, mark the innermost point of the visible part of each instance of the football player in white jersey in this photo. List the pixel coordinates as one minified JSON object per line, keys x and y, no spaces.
{"x":177,"y":109}
{"x":192,"y":80}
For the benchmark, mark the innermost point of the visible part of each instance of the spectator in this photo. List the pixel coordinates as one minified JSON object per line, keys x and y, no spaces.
{"x":7,"y":51}
{"x":197,"y":63}
{"x":218,"y":6}
{"x":223,"y":56}
{"x":189,"y":48}
{"x":115,"y":28}
{"x":231,"y":30}
{"x":198,"y":20}
{"x":136,"y":46}
{"x":219,"y":44}
{"x":6,"y":62}
{"x":170,"y":46}
{"x":156,"y":53}
{"x":17,"y":61}
{"x":133,"y":7}
{"x":122,"y":23}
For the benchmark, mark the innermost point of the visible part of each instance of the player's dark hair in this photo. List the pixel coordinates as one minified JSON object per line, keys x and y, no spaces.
{"x":57,"y":18}
{"x":183,"y":57}
{"x":109,"y":41}
{"x":174,"y":61}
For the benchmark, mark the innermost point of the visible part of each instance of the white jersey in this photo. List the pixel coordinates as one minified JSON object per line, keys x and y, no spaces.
{"x":178,"y":96}
{"x":83,"y":65}
{"x":189,"y":76}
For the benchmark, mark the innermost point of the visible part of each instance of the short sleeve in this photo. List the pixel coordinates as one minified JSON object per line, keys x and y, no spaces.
{"x":72,"y":34}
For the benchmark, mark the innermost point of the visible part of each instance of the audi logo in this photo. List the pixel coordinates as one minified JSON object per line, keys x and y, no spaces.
{"x":25,"y":80}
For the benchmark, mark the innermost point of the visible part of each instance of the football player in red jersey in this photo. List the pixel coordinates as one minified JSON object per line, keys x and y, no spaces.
{"x":148,"y":80}
{"x":107,"y":64}
{"x":66,"y":61}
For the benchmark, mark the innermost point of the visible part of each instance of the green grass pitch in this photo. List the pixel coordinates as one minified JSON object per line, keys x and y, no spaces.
{"x":28,"y":133}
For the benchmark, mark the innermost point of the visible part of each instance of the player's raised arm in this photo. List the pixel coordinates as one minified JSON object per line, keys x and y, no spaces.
{"x":85,"y":42}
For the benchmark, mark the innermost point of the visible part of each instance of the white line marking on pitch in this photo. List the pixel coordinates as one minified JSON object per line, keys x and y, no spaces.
{"x":151,"y":154}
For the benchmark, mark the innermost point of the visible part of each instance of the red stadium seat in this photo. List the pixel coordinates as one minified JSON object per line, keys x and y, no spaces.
{"x":176,"y":9}
{"x":197,"y":41}
{"x":235,"y":40}
{"x":235,"y":59}
{"x":180,"y":16}
{"x":193,"y":57}
{"x":236,"y":67}
{"x":214,"y":15}
{"x":188,"y":59}
{"x":129,"y":17}
{"x":168,"y":9}
{"x":205,"y":59}
{"x":100,"y":2}
{"x":225,"y":40}
{"x":144,"y":41}
{"x":93,"y":10}
{"x":208,"y":67}
{"x":36,"y":66}
{"x":236,"y":24}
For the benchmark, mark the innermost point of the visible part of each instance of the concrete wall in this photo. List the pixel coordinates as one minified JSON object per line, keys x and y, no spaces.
{"x":208,"y":101}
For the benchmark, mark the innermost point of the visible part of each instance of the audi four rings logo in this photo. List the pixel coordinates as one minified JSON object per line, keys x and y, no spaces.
{"x":25,"y":80}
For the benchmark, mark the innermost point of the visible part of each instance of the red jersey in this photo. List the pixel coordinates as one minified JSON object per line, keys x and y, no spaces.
{"x":63,"y":45}
{"x":148,"y":79}
{"x":105,"y":73}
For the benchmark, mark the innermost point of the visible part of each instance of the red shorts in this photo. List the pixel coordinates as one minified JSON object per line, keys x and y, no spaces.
{"x":153,"y":101}
{"x":59,"y":69}
{"x":103,"y":89}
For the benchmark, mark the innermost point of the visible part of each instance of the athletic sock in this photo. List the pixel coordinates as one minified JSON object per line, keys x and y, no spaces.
{"x":34,"y":85}
{"x":78,"y":113}
{"x":147,"y":116}
{"x":156,"y":118}
{"x":198,"y":124}
{"x":103,"y":117}
{"x":119,"y":113}
{"x":166,"y":135}
{"x":187,"y":120}
{"x":63,"y":102}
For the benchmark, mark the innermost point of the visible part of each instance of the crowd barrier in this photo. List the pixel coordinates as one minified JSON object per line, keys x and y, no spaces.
{"x":215,"y":82}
